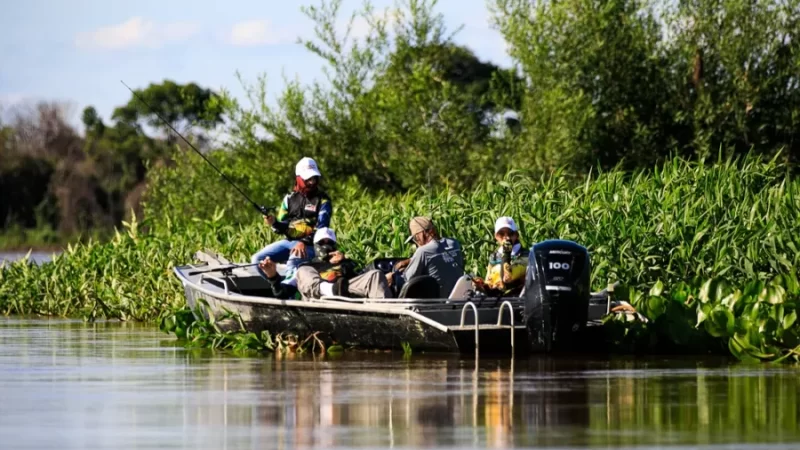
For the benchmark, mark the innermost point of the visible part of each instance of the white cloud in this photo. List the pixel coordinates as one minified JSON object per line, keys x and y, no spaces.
{"x":259,"y":32}
{"x":136,"y":32}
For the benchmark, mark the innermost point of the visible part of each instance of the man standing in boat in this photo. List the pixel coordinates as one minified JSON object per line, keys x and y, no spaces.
{"x":439,"y":257}
{"x":329,"y":273}
{"x":302,"y":212}
{"x":505,"y":275}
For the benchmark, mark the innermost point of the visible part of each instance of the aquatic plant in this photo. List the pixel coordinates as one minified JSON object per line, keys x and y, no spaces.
{"x":197,"y":328}
{"x":675,"y":226}
{"x":756,"y":321}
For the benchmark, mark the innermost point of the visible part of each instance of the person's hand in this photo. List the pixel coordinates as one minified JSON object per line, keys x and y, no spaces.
{"x":390,"y":278}
{"x":337,"y":257}
{"x":269,"y":220}
{"x":507,"y":278}
{"x":268,"y":266}
{"x":401,"y":265}
{"x":299,"y":250}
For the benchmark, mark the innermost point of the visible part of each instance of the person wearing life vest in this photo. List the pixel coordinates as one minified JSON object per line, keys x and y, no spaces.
{"x":302,"y":212}
{"x":505,"y":274}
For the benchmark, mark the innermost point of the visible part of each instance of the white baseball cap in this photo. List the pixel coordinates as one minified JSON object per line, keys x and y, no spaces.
{"x":307,"y":168}
{"x":324,"y":233}
{"x":505,"y":222}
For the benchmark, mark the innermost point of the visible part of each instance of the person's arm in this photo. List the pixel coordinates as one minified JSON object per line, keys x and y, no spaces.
{"x":281,"y":224}
{"x":417,"y":266}
{"x":325,"y":213}
{"x":323,"y":221}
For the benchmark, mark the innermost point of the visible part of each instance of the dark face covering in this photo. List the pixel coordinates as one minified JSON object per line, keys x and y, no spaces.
{"x":306,"y":187}
{"x":323,"y":249}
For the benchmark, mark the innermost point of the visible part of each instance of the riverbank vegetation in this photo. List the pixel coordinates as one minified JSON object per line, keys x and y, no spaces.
{"x":663,"y":233}
{"x":59,"y":185}
{"x":660,"y":136}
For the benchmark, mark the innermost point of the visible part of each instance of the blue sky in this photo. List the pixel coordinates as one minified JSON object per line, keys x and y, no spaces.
{"x":79,"y":50}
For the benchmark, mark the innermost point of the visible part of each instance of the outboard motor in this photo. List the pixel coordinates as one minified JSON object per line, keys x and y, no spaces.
{"x":556,"y":294}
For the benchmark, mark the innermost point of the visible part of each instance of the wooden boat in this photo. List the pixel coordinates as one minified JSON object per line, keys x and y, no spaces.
{"x":545,"y":317}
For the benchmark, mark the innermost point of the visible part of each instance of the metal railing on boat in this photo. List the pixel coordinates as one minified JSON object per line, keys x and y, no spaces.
{"x":478,"y":327}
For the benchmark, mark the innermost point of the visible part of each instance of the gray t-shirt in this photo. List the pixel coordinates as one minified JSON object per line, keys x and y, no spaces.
{"x":442,"y":259}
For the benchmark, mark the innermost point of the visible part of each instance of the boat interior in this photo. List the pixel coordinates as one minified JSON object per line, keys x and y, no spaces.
{"x":420,"y":293}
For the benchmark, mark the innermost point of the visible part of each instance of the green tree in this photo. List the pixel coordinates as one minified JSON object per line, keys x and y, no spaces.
{"x":595,"y":85}
{"x":402,"y":107}
{"x":182,"y":106}
{"x":736,"y":66}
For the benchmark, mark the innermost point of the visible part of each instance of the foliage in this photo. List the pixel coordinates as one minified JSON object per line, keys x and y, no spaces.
{"x":681,"y":220}
{"x":206,"y":333}
{"x":675,"y":226}
{"x":75,"y":184}
{"x":199,"y":328}
{"x":596,"y":92}
{"x":401,"y":108}
{"x":735,"y":67}
{"x":635,"y":81}
{"x":623,"y":84}
{"x":181,"y":106}
{"x":756,"y":322}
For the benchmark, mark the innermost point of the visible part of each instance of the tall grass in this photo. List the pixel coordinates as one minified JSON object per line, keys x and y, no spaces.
{"x":682,"y":222}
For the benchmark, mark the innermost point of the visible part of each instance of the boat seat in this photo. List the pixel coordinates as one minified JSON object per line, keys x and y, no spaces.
{"x":423,"y":286}
{"x":462,"y":287}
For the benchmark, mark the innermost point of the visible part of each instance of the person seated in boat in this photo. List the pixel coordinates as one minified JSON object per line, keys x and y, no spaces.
{"x":505,"y":274}
{"x":436,"y":256}
{"x":302,"y":212}
{"x":329,"y":273}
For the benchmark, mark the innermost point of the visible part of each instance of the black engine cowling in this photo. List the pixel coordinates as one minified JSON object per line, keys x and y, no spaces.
{"x":557,"y":294}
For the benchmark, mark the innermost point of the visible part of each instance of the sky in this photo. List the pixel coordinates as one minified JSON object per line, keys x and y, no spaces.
{"x":77,"y":51}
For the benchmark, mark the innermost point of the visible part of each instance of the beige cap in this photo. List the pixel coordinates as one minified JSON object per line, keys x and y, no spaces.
{"x":417,"y":225}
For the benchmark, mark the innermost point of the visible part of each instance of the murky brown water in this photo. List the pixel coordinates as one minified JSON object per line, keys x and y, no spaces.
{"x":66,"y":384}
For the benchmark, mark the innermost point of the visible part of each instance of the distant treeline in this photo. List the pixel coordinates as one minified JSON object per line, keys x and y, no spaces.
{"x":54,"y":177}
{"x":596,"y":84}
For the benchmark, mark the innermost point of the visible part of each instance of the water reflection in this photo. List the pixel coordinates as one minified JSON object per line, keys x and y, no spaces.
{"x":127,"y":386}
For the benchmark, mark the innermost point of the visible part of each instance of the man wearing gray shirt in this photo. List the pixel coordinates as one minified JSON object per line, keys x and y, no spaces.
{"x":439,"y":257}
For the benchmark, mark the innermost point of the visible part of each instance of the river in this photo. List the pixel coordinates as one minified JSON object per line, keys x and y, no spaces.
{"x":35,"y":257}
{"x":68,"y":384}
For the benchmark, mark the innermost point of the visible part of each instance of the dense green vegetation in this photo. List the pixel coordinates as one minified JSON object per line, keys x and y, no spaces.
{"x":660,"y":136}
{"x":675,"y":227}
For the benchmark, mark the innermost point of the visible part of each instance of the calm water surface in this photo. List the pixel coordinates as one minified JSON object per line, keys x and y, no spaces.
{"x":66,"y":384}
{"x":36,"y":257}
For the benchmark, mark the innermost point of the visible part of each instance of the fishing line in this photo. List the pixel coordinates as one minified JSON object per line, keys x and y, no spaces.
{"x":262,"y":209}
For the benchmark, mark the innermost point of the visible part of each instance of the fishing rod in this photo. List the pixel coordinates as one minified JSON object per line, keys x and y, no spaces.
{"x":223,"y":269}
{"x":262,"y":209}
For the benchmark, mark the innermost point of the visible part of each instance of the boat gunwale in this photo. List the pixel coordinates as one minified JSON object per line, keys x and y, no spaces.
{"x":402,"y":309}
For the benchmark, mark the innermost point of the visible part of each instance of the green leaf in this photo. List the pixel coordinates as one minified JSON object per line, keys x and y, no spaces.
{"x":657,"y":288}
{"x":705,"y":291}
{"x":702,"y":314}
{"x":789,"y":320}
{"x":655,"y":307}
